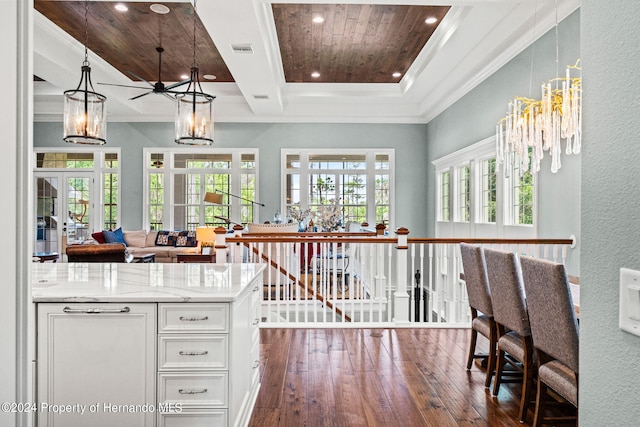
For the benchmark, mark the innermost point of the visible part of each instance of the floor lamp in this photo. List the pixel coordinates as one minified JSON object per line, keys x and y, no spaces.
{"x":216,"y":198}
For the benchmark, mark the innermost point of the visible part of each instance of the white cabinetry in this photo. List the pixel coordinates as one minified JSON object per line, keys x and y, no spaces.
{"x":172,"y":355}
{"x":207,"y":362}
{"x":95,"y":361}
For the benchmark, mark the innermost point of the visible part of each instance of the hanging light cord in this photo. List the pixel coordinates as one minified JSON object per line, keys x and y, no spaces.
{"x":86,"y":32}
{"x":195,"y":3}
{"x":533,"y":47}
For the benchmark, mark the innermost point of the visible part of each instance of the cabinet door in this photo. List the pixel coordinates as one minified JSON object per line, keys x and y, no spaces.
{"x":98,"y":360}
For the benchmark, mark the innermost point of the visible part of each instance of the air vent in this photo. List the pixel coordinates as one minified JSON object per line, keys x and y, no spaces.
{"x":242,"y":48}
{"x":260,"y":96}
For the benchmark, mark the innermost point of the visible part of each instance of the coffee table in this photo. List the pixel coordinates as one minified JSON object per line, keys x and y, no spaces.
{"x":144,"y":258}
{"x":196,"y":257}
{"x":46,"y":256}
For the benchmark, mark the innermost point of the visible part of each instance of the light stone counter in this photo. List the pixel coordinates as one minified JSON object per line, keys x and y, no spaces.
{"x":161,"y":282}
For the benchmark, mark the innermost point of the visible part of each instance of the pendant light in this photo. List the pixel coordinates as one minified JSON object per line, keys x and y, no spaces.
{"x":194,"y":108}
{"x":85,"y":117}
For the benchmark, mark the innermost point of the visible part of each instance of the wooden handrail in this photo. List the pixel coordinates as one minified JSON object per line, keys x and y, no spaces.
{"x":358,"y":238}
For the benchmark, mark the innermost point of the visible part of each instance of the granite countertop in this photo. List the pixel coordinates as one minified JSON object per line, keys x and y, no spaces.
{"x":153,"y":282}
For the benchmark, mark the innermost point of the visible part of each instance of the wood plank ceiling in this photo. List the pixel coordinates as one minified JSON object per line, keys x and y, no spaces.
{"x":128,"y":40}
{"x":356,"y":43}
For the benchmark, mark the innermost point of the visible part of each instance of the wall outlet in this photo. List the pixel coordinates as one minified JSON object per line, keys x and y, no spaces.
{"x":630,"y":301}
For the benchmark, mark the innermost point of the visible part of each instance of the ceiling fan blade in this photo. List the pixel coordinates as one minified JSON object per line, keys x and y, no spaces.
{"x":114,"y":84}
{"x":169,"y":96}
{"x":172,"y":86}
{"x":140,"y":96}
{"x":131,"y":73}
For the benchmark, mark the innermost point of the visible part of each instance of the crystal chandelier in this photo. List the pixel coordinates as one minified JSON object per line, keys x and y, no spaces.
{"x":542,"y":124}
{"x":85,"y":116}
{"x":194,"y":108}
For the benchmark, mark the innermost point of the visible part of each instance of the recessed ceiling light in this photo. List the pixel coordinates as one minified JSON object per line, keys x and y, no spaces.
{"x":315,"y":74}
{"x":184,"y":77}
{"x":431,"y":20}
{"x":209,"y":77}
{"x":397,"y":74}
{"x":121,"y":7}
{"x":159,"y":8}
{"x":318,"y":19}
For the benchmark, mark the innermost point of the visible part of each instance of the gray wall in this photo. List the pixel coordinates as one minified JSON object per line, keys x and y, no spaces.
{"x":409,"y":142}
{"x":480,"y":110}
{"x":609,"y":358}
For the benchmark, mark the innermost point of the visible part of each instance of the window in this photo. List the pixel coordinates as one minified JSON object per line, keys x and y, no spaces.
{"x":110,"y":191}
{"x":360,"y":182}
{"x":522,"y":195}
{"x":464,"y":193}
{"x":93,"y":175}
{"x":489,"y":185}
{"x":445,"y":191}
{"x":483,"y":201}
{"x":177,"y":180}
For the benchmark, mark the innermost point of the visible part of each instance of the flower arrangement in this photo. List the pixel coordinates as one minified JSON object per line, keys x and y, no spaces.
{"x":297,"y":214}
{"x":329,"y":217}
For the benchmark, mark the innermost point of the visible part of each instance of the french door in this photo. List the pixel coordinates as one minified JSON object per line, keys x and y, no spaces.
{"x":64,"y":209}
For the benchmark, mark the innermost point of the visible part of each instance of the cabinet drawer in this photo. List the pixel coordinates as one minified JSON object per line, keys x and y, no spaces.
{"x":194,"y":418}
{"x":194,"y":389}
{"x":193,"y":317}
{"x":183,"y":351}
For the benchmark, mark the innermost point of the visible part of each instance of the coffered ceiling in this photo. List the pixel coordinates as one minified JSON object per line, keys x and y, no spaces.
{"x":373,"y":62}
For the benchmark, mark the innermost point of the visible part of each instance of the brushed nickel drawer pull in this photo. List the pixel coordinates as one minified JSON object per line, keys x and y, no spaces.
{"x":256,"y":364}
{"x":193,"y":319}
{"x":256,"y":289}
{"x":193,"y":353}
{"x":256,"y":322}
{"x":183,"y":391}
{"x":96,"y":310}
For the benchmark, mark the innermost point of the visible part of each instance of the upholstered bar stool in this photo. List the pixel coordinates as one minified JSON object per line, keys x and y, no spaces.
{"x":477,"y":283}
{"x":554,"y":329}
{"x":515,"y":345}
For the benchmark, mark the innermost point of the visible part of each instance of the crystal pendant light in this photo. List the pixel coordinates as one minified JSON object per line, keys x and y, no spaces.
{"x":194,"y":108}
{"x":85,"y":116}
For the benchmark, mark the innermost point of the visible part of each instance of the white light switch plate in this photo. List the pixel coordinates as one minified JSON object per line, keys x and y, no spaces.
{"x":630,"y":301}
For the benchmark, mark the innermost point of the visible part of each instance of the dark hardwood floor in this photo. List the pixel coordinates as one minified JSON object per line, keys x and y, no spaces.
{"x":376,"y":377}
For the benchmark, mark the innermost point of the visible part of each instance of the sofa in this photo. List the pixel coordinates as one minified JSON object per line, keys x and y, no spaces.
{"x":108,"y":252}
{"x":165,"y":245}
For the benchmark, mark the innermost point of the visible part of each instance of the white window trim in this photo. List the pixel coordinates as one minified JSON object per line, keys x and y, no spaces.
{"x":457,"y":191}
{"x":370,"y":172}
{"x":98,"y":170}
{"x":474,"y":155}
{"x":170,"y":172}
{"x":439,"y":205}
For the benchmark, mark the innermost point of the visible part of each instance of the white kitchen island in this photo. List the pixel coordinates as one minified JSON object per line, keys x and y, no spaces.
{"x":146,"y":344}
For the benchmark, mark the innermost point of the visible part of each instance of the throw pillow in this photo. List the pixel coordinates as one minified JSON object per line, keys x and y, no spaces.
{"x":187,"y":239}
{"x":135,"y":239}
{"x":151,"y":238}
{"x":114,"y":236}
{"x":167,"y":238}
{"x":98,"y":236}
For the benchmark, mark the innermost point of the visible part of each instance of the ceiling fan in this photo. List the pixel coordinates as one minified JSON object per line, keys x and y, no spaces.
{"x":157,"y":87}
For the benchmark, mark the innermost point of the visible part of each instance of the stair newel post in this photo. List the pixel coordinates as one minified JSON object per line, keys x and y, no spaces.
{"x":401,"y":296}
{"x":221,"y":245}
{"x":238,"y":248}
{"x":381,"y":279}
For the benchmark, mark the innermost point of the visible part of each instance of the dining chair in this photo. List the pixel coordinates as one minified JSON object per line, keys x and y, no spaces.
{"x":477,"y":283}
{"x":554,"y":329}
{"x":515,"y":345}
